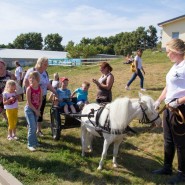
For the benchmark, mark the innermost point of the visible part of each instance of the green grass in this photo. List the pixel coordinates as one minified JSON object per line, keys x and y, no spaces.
{"x":60,"y":162}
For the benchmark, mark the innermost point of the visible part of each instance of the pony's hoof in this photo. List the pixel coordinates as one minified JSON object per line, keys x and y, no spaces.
{"x":99,"y":168}
{"x":83,"y":154}
{"x":90,"y":150}
{"x":115,"y":165}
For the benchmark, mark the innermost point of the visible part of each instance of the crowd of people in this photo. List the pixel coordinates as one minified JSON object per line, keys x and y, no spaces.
{"x":36,"y":84}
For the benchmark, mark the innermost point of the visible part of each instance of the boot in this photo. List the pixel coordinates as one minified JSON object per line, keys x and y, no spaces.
{"x":166,"y":170}
{"x":169,"y":152}
{"x":179,"y":178}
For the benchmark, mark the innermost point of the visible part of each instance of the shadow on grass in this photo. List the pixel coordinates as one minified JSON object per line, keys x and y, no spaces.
{"x":141,"y":167}
{"x":155,"y":89}
{"x":61,"y":170}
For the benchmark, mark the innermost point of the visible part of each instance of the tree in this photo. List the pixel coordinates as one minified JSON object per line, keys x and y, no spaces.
{"x":28,"y":41}
{"x":52,"y":42}
{"x":10,"y":46}
{"x":152,"y":36}
{"x":85,"y":41}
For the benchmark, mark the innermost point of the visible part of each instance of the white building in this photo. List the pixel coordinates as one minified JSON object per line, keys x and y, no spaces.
{"x":173,"y":28}
{"x":28,"y":57}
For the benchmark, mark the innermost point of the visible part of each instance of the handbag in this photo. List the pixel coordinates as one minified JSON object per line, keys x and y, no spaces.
{"x":133,"y":67}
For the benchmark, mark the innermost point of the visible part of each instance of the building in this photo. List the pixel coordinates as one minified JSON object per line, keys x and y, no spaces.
{"x":28,"y":57}
{"x":173,"y":28}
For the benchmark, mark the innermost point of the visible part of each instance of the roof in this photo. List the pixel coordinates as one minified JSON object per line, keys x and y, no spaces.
{"x":30,"y":54}
{"x":171,"y":20}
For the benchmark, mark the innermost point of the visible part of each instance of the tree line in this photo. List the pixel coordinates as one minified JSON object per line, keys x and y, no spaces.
{"x":121,"y":44}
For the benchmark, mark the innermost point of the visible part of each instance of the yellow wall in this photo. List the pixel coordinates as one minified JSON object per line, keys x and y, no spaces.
{"x":176,"y":26}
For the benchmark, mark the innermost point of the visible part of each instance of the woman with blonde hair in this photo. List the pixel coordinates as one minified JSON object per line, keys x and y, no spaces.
{"x":173,"y":126}
{"x":40,"y":67}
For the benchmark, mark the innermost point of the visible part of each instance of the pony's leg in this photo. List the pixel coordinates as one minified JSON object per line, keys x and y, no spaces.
{"x":89,"y":144}
{"x":104,"y":153}
{"x":83,"y":139}
{"x":115,"y":152}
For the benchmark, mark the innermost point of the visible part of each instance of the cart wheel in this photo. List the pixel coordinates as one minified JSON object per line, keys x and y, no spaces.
{"x":55,"y":124}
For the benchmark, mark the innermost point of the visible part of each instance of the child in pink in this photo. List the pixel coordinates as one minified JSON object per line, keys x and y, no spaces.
{"x":32,"y":108}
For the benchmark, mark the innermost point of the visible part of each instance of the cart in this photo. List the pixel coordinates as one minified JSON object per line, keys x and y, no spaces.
{"x":60,"y":120}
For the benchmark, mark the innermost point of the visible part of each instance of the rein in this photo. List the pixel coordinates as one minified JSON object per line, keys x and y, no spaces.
{"x":145,"y":118}
{"x":176,"y":112}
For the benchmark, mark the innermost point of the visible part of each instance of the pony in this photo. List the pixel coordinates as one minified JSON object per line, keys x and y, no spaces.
{"x":113,"y":120}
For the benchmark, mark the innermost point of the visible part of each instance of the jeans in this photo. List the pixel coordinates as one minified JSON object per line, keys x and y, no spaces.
{"x":32,"y":126}
{"x":134,"y":77}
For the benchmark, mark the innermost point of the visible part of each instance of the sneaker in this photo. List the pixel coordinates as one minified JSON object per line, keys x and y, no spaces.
{"x":15,"y":137}
{"x":39,"y":133}
{"x":32,"y":149}
{"x":127,"y":87}
{"x":10,"y":138}
{"x":142,"y":89}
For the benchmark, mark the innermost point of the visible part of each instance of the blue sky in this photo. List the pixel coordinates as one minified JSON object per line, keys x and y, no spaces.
{"x":75,"y":19}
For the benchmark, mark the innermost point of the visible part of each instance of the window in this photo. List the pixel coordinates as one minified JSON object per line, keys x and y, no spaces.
{"x":175,"y":35}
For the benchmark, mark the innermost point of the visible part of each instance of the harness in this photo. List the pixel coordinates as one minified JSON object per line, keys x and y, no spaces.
{"x":145,"y":118}
{"x":106,"y":127}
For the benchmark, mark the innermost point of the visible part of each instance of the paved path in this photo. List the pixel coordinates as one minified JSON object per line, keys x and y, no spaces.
{"x":7,"y":179}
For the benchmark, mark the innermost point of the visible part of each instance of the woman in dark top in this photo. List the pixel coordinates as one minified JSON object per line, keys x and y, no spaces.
{"x":104,"y":84}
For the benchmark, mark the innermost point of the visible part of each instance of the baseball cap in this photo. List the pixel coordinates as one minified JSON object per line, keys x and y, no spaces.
{"x":63,"y":79}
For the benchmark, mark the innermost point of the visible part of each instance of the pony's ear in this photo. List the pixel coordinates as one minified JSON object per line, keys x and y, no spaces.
{"x":140,"y":96}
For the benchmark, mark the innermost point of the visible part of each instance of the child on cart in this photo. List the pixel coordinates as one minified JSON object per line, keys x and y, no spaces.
{"x":64,"y":97}
{"x":82,"y":95}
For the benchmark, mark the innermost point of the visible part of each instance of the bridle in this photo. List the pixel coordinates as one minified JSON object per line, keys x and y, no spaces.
{"x":145,"y":118}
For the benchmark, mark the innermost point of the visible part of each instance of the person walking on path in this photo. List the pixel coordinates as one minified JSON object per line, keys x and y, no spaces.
{"x":173,"y":125}
{"x":138,"y":69}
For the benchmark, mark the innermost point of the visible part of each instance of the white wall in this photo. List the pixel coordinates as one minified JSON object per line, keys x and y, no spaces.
{"x":176,"y":26}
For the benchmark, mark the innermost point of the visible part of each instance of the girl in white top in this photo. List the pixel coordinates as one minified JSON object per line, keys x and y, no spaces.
{"x":10,"y":101}
{"x":139,"y":68}
{"x":174,"y":97}
{"x":55,"y":84}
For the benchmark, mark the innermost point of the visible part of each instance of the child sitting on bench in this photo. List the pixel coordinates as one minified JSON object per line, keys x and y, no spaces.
{"x":64,"y":97}
{"x":82,"y":95}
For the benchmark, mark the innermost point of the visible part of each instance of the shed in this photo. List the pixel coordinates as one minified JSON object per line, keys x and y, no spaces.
{"x":27,"y":57}
{"x":173,"y":28}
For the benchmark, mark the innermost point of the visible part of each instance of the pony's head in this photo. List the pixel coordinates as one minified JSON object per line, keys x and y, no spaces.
{"x":150,"y":115}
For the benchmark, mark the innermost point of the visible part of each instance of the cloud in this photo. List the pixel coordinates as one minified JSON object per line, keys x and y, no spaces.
{"x":74,"y":20}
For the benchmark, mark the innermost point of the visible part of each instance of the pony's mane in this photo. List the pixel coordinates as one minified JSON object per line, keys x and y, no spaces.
{"x":119,"y":110}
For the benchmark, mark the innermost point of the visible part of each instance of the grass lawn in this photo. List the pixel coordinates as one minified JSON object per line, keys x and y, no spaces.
{"x":60,"y":162}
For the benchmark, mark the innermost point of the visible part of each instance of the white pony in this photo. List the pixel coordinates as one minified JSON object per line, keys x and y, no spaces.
{"x":113,"y":121}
